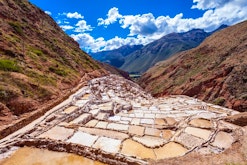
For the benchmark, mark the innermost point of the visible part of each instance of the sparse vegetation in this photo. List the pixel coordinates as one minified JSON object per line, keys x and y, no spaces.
{"x":244,"y":97}
{"x":235,"y":163}
{"x":58,"y":71}
{"x":5,"y":95}
{"x":9,"y":65}
{"x":17,"y":27}
{"x":219,"y":101}
{"x":45,"y":80}
{"x":23,"y":5}
{"x":38,"y":52}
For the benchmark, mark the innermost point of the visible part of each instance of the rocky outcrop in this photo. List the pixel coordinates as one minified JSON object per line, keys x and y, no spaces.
{"x":3,"y":110}
{"x":238,"y":119}
{"x":22,"y":105}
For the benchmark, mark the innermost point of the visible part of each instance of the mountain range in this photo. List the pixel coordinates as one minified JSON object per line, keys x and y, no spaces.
{"x":138,"y":58}
{"x":115,"y":57}
{"x":159,"y":50}
{"x":215,"y":71}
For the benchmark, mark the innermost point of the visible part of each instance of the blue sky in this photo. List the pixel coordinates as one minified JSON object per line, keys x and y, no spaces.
{"x":108,"y":24}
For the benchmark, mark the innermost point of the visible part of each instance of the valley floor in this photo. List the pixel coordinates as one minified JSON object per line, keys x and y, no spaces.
{"x":114,"y":121}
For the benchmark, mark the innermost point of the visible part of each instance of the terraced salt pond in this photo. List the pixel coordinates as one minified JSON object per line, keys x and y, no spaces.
{"x":114,"y":121}
{"x":34,"y":156}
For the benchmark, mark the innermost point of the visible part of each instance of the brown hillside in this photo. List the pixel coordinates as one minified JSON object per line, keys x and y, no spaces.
{"x":215,"y":71}
{"x":114,"y":70}
{"x":39,"y":63}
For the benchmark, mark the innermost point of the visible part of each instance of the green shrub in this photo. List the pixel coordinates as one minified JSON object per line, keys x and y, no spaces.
{"x":3,"y":95}
{"x":235,"y":164}
{"x":42,"y":79}
{"x":244,"y":96}
{"x":36,"y":51}
{"x":9,"y":65}
{"x":58,"y":71}
{"x":17,"y":27}
{"x":219,"y":101}
{"x":6,"y":95}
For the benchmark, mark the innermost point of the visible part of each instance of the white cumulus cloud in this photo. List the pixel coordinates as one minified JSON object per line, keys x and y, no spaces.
{"x":91,"y":44}
{"x":75,"y":15}
{"x":48,"y":12}
{"x":112,"y":16}
{"x":66,"y":27}
{"x":82,"y":26}
{"x":145,"y":28}
{"x":66,"y":22}
{"x":217,"y":12}
{"x":88,"y":43}
{"x":209,"y":4}
{"x":139,"y":24}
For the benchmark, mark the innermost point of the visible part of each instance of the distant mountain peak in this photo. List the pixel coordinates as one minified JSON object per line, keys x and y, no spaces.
{"x":115,"y":57}
{"x":223,"y":26}
{"x":161,"y":49}
{"x":195,"y":30}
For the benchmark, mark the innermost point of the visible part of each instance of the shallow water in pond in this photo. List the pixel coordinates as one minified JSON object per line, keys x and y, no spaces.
{"x":34,"y":156}
{"x":131,"y":148}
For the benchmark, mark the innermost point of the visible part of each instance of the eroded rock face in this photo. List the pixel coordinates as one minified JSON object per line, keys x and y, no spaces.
{"x":22,"y":105}
{"x":238,"y":119}
{"x":114,"y":121}
{"x":3,"y":110}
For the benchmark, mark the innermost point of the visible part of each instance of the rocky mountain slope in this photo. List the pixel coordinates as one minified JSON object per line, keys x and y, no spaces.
{"x":161,"y":49}
{"x":115,"y":57}
{"x":39,"y":63}
{"x":138,"y":58}
{"x":113,"y":70}
{"x":215,"y":71}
